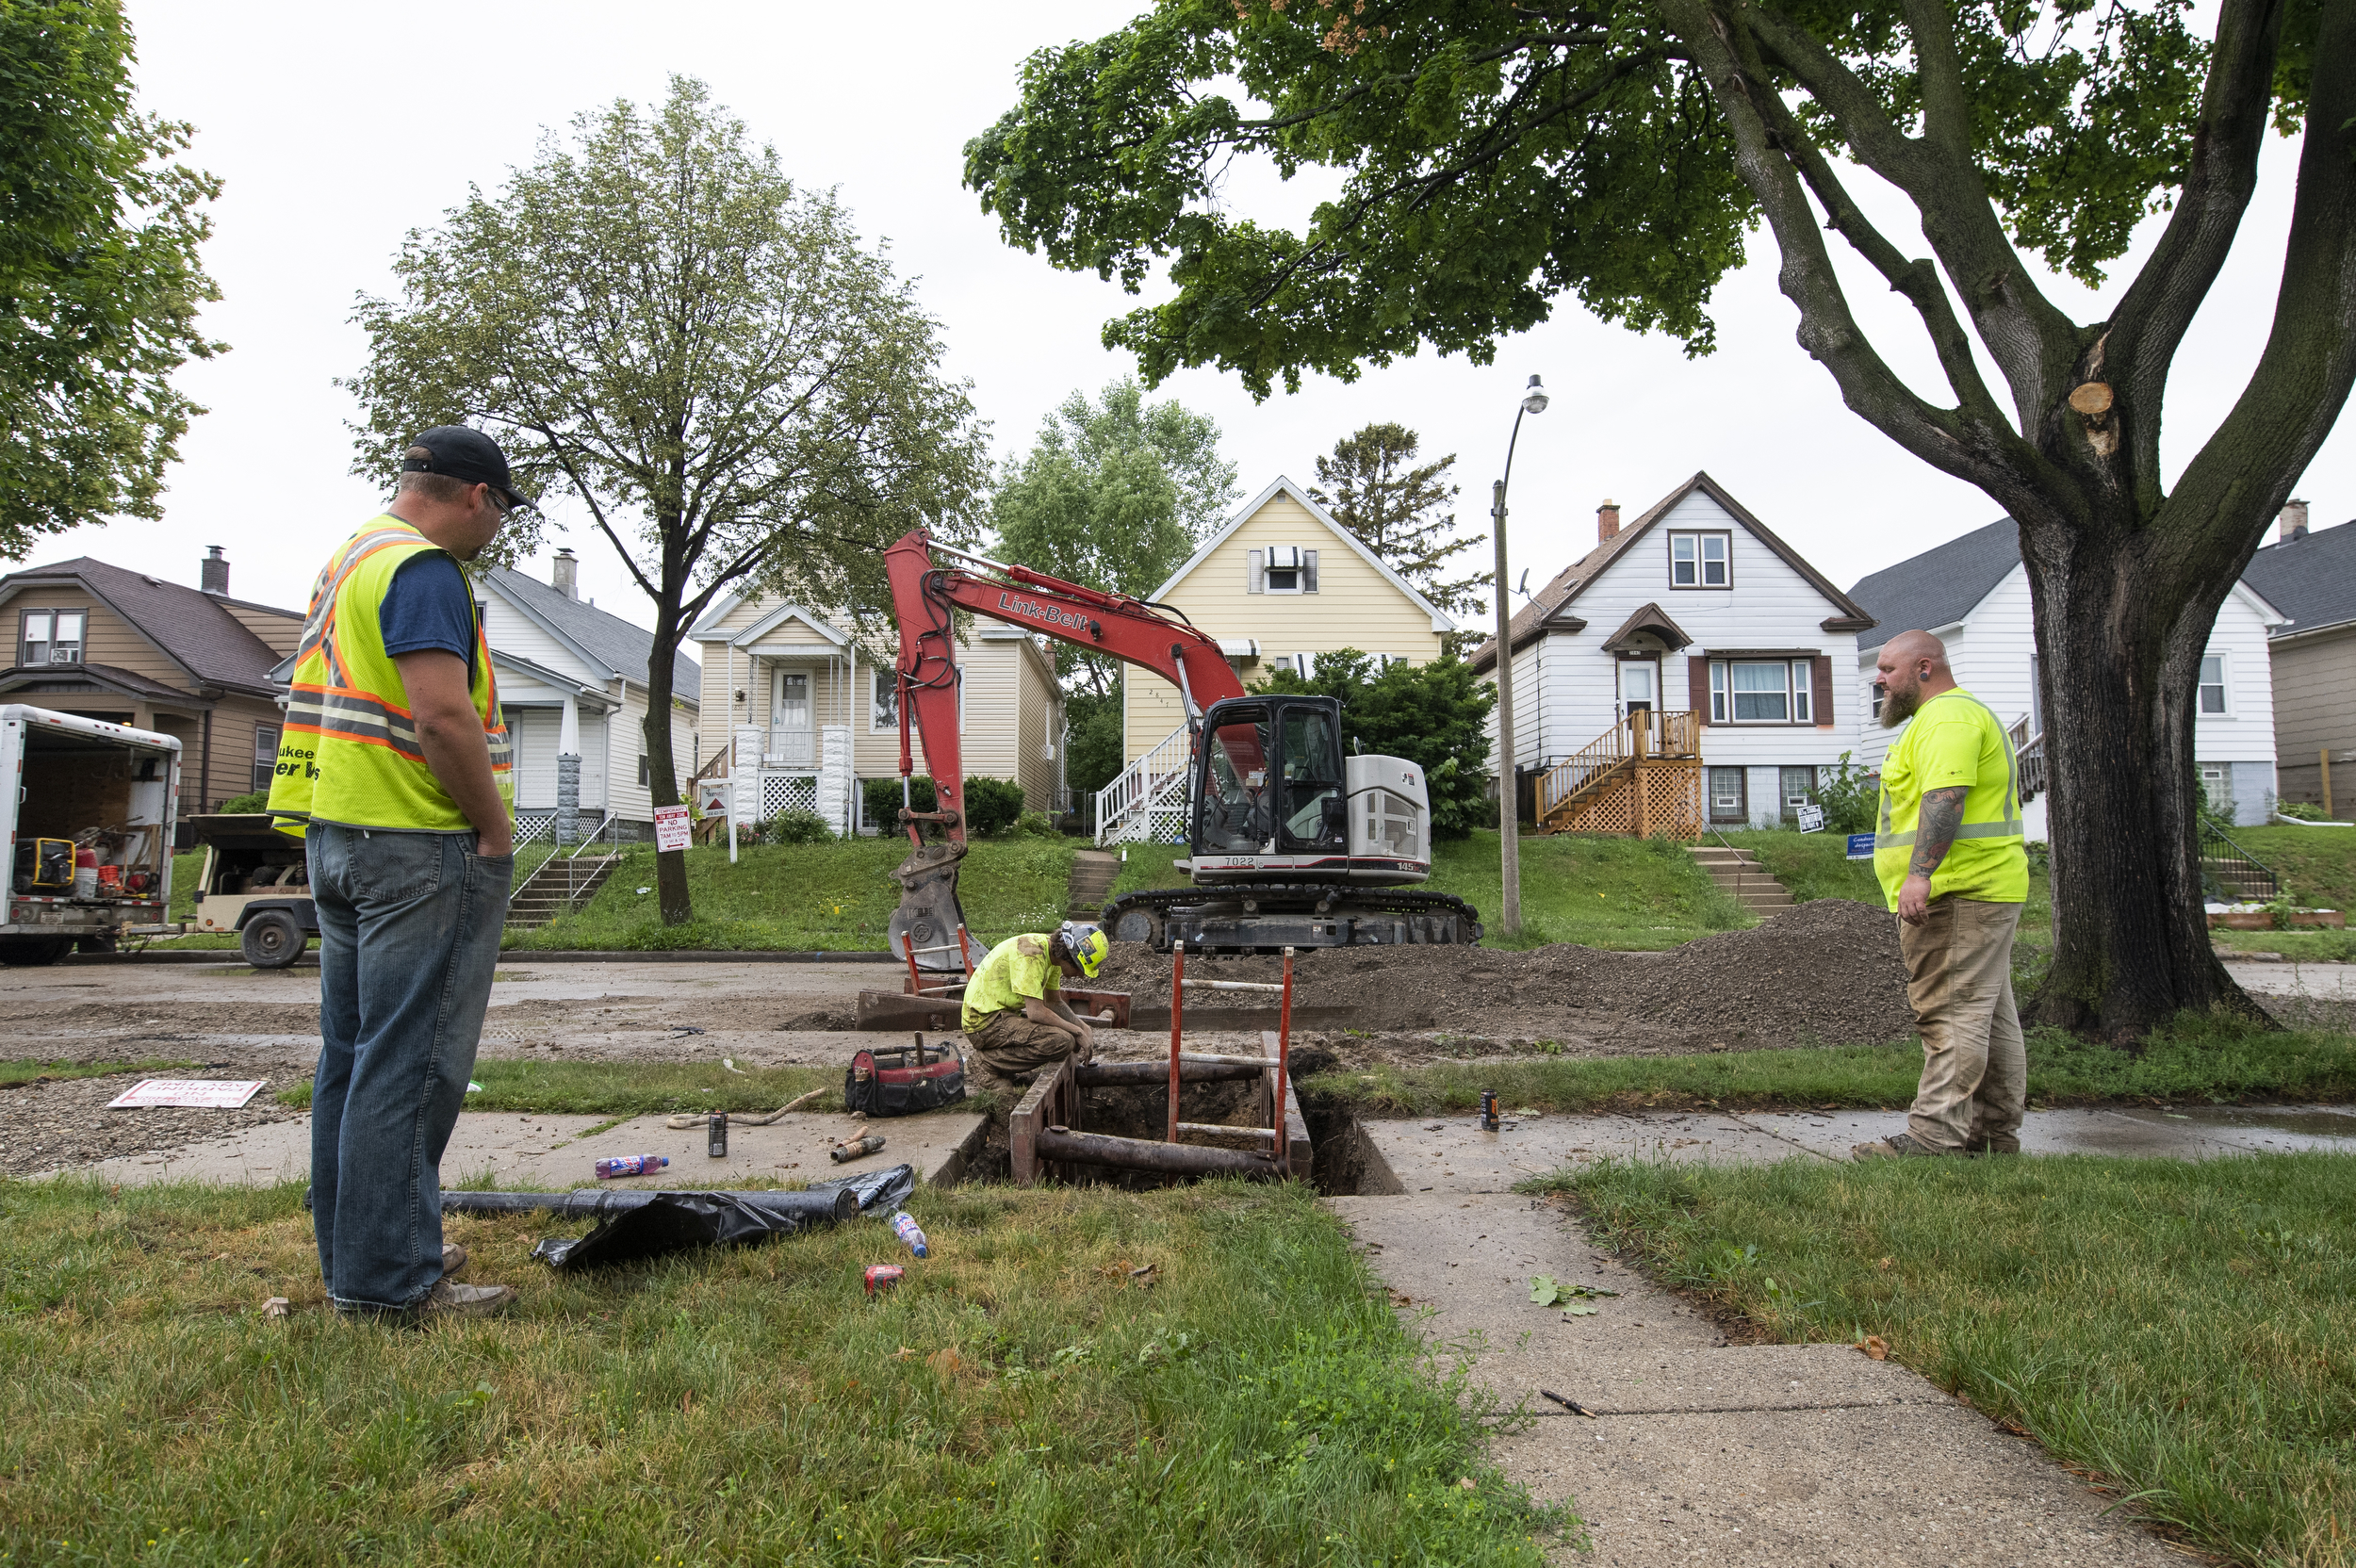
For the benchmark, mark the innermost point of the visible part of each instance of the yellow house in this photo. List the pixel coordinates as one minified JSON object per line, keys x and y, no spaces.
{"x":811,"y":716}
{"x":1279,"y":584}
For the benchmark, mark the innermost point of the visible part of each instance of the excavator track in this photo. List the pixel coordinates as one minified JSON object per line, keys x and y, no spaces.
{"x":1238,"y":919}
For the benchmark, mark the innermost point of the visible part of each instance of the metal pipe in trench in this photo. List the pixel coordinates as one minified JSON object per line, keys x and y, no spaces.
{"x":1170,"y":1159}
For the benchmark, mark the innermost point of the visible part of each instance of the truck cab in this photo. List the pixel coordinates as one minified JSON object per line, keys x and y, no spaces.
{"x":1275,"y":796}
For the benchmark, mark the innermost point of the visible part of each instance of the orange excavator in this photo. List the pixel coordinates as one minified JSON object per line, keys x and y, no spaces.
{"x":1292,"y":842}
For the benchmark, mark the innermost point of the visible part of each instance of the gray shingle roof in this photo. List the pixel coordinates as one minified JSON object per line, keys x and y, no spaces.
{"x":612,"y":641}
{"x":189,"y":624}
{"x":2313,"y":580}
{"x":1939,"y":586}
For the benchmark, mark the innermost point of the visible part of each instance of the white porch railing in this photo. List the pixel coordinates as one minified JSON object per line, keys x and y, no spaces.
{"x":789,"y":749}
{"x":1146,"y":802}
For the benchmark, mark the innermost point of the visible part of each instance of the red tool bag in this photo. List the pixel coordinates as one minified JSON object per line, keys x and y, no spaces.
{"x":903,"y":1080}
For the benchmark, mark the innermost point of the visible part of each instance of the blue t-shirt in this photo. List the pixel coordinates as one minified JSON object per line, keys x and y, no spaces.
{"x":427,"y":607}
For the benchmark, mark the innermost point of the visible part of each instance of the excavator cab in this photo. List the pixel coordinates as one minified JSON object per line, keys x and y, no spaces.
{"x":1269,"y":780}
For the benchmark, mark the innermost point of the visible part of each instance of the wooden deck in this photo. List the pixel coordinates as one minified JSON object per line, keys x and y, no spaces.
{"x":1642,"y":778}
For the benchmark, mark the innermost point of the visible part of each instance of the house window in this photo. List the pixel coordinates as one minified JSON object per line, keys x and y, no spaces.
{"x":2212,"y":684}
{"x":2216,"y":787}
{"x":884,"y":708}
{"x":1760,"y":691}
{"x":265,"y":755}
{"x":50,"y":637}
{"x":1283,"y":569}
{"x":1701,"y":561}
{"x":1725,"y":794}
{"x":1799,"y":788}
{"x":1302,"y":665}
{"x":645,"y":770}
{"x":1874,"y":695}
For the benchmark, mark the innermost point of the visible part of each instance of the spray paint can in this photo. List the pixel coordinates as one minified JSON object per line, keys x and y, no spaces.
{"x":630,"y":1164}
{"x":882,"y":1277}
{"x":856,"y":1148}
{"x":1488,"y":1110}
{"x":717,"y":1136}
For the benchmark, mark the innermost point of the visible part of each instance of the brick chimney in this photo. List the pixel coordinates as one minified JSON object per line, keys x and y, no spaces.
{"x":566,"y":574}
{"x":1607,"y":521}
{"x":2292,"y":524}
{"x":214,"y":571}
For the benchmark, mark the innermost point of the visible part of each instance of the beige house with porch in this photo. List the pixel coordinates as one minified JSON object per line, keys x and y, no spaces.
{"x":1280,"y":583}
{"x":800,"y":714}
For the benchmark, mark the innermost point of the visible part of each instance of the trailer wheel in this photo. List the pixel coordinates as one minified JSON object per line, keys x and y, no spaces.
{"x":271,"y":939}
{"x":23,"y":951}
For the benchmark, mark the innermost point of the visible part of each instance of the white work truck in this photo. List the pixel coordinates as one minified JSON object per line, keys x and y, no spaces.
{"x":90,"y":831}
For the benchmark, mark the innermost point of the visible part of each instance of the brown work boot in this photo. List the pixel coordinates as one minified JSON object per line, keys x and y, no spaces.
{"x":449,"y":1298}
{"x":1984,"y":1145}
{"x":453,"y":1258}
{"x":1897,"y":1146}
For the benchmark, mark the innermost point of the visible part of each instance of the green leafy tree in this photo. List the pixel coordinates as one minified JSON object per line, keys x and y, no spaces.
{"x":1494,"y":158}
{"x":1115,"y":494}
{"x":1395,"y":510}
{"x":652,"y":320}
{"x":1433,"y":714}
{"x":100,"y":283}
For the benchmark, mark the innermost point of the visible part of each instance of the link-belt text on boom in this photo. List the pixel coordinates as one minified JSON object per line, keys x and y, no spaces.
{"x":1043,"y":613}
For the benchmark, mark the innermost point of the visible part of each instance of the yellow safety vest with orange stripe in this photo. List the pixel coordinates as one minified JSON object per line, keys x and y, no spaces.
{"x":349,"y":753}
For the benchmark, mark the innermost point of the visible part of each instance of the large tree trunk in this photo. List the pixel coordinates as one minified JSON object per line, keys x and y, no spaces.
{"x":670,"y":866}
{"x":2118,"y":670}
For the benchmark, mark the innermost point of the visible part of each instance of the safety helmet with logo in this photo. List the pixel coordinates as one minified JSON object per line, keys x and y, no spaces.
{"x":1084,"y":945}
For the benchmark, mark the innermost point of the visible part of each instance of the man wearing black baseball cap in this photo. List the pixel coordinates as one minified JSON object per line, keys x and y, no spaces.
{"x":394,"y":767}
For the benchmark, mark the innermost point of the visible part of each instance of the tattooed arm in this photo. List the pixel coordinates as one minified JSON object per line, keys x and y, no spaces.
{"x":1935,"y":828}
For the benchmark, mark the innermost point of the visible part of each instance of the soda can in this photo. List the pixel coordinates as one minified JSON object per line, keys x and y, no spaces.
{"x":717,"y":1136}
{"x":1488,"y":1110}
{"x":882,"y":1277}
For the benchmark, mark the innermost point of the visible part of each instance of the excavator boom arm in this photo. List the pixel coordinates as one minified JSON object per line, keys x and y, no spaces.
{"x":924,"y":596}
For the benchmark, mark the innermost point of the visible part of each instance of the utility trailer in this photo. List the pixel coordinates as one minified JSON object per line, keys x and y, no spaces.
{"x":257,"y":882}
{"x":86,"y":791}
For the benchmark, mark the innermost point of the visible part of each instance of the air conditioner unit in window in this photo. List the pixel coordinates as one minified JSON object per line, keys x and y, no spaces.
{"x":64,"y":656}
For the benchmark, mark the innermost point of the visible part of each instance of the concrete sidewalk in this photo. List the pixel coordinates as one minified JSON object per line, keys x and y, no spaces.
{"x":1703,"y":1453}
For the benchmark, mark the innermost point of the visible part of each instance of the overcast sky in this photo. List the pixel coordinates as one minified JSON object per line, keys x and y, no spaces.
{"x":337,"y":129}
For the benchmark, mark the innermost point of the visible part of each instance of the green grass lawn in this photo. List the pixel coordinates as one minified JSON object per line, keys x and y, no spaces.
{"x":2197,"y":1061}
{"x":1816,"y":865}
{"x":2180,"y":1329}
{"x":1624,"y":893}
{"x":1019,"y":1399}
{"x":838,"y":896}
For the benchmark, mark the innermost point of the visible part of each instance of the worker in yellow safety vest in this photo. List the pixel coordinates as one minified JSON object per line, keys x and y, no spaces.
{"x":1952,"y":859}
{"x":394,"y":769}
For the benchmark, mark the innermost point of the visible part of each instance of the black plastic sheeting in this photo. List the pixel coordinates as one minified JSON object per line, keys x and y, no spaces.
{"x":638,"y":1224}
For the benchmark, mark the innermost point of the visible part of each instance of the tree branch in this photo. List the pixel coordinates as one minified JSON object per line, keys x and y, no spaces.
{"x":2159,"y":307}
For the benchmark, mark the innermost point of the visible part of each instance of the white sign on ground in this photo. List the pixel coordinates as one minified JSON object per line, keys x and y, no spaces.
{"x":1811,"y":818}
{"x":671,"y":827}
{"x":214,"y":1094}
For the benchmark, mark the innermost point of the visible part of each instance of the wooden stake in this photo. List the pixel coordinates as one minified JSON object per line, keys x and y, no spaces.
{"x":2325,"y":758}
{"x":1177,"y":1002}
{"x":1283,"y":1060}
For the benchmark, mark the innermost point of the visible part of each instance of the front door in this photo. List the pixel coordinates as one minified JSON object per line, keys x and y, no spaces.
{"x":1640,"y":686}
{"x":789,"y":720}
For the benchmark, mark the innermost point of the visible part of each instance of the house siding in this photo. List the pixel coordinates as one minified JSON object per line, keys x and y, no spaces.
{"x":1566,"y":683}
{"x":280,"y":634}
{"x":1355,"y":607}
{"x":2314,"y":701}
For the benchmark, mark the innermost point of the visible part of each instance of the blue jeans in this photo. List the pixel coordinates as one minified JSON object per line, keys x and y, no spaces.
{"x":409,"y":937}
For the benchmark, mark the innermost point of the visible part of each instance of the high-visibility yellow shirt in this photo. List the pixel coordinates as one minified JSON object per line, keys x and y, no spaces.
{"x":1017,"y":969}
{"x":1954,"y":739}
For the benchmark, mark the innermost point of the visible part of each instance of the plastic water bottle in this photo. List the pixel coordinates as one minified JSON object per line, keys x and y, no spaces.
{"x":904,"y":1226}
{"x":630,"y":1164}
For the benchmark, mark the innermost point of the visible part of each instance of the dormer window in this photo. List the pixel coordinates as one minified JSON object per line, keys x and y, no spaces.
{"x":50,"y":637}
{"x":1701,"y":561}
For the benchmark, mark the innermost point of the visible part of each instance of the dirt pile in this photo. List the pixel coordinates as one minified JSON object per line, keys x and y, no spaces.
{"x":1826,"y":972}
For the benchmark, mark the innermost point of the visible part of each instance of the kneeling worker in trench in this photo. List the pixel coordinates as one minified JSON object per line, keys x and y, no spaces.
{"x":1015,"y":1016}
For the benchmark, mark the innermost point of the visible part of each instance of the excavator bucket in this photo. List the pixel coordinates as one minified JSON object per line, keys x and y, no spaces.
{"x":928,"y":916}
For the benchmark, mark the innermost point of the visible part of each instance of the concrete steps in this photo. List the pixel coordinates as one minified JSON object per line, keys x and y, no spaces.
{"x":1093,"y":872}
{"x":1739,"y":873}
{"x":559,"y":886}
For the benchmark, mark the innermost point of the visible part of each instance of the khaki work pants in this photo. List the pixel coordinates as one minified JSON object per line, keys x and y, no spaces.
{"x":1975,"y":1069}
{"x":1013,"y":1049}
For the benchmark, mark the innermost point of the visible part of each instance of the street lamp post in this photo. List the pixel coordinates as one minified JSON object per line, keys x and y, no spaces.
{"x":1509,"y":826}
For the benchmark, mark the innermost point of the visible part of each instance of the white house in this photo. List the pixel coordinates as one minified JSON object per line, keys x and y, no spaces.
{"x":1696,"y":606}
{"x":1972,"y":594}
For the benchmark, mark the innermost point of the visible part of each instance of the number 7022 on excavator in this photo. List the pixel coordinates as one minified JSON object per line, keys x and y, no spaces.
{"x":1294,"y":841}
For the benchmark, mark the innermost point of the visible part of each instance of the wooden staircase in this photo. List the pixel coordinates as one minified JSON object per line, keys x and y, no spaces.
{"x":1093,"y":872}
{"x":1640,"y":778}
{"x":1738,"y":872}
{"x":560,"y":887}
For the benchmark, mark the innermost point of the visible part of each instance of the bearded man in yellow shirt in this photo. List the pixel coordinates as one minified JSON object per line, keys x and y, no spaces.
{"x":1952,"y":860}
